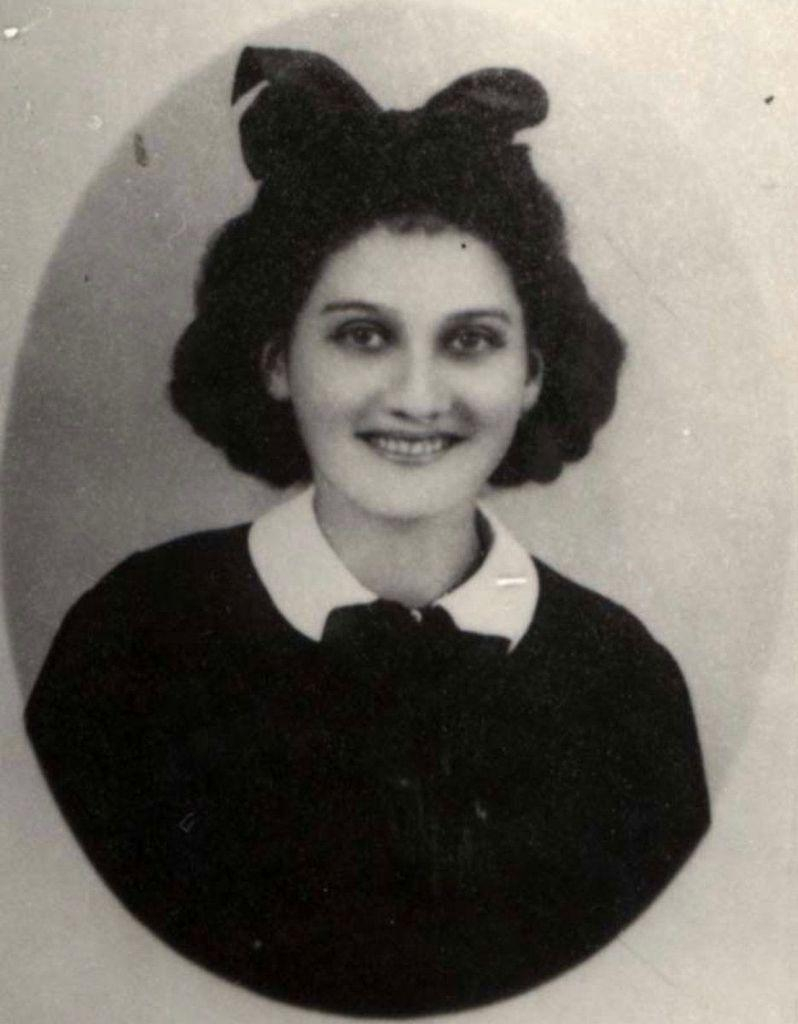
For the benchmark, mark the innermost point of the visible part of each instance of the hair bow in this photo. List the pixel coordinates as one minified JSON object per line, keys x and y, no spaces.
{"x":307,"y":96}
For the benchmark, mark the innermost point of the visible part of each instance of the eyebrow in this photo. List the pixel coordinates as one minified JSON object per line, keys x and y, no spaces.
{"x":354,"y":304}
{"x":473,"y":314}
{"x":462,"y":314}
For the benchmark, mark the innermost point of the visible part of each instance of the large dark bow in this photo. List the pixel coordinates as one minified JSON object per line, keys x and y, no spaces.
{"x":308,"y":98}
{"x":386,"y":636}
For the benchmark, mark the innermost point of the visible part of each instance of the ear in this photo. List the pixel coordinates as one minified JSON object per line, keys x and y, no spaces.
{"x":274,"y":370}
{"x":534,"y":383}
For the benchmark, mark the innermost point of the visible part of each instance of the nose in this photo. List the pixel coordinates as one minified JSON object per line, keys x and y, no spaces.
{"x":418,"y":389}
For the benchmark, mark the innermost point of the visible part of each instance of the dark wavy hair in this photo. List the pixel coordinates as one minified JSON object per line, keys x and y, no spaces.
{"x":262,"y":265}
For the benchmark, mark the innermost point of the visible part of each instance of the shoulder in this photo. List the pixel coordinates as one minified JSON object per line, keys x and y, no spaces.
{"x":181,"y":573}
{"x":613,"y":681}
{"x":180,"y":559}
{"x":599,"y":655}
{"x":167,"y":598}
{"x":589,"y":620}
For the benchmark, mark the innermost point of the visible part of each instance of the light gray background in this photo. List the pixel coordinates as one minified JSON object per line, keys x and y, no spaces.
{"x":677,"y":178}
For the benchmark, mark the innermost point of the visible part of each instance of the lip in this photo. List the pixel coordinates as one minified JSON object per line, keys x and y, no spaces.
{"x":408,"y":448}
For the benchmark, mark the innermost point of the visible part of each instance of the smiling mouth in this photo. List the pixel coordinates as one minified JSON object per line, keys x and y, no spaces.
{"x":410,"y":450}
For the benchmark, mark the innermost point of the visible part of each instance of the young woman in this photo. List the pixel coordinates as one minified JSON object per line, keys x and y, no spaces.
{"x":365,"y":753}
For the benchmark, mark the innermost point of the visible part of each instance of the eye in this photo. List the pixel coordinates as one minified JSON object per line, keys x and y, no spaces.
{"x":472,"y":342}
{"x":362,"y":335}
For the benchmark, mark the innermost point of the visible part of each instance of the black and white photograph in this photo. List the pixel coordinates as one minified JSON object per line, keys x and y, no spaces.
{"x":397,"y":500}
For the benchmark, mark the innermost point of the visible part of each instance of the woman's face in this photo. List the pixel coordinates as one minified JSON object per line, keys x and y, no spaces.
{"x":408,"y":371}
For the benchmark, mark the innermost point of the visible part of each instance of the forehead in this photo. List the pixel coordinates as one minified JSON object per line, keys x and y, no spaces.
{"x":444,"y":269}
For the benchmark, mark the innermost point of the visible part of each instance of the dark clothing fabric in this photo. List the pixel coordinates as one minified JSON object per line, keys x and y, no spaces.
{"x":401,"y":819}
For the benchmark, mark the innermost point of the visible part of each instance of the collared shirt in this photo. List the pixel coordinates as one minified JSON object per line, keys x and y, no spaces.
{"x":307,"y":580}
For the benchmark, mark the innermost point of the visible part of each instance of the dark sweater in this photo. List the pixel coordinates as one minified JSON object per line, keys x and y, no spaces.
{"x":396,"y":820}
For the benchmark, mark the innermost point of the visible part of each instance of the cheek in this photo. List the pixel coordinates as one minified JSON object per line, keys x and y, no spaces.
{"x":497,"y":401}
{"x":325,"y":393}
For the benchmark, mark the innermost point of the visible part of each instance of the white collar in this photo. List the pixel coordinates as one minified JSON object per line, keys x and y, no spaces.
{"x":307,"y":580}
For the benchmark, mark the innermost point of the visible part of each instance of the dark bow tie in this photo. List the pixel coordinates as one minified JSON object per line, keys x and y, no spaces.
{"x":391,"y":627}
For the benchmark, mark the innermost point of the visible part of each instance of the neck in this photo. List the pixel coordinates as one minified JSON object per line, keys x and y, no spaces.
{"x":411,"y":561}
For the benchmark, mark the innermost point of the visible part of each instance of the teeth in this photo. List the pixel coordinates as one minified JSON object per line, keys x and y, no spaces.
{"x":403,"y":446}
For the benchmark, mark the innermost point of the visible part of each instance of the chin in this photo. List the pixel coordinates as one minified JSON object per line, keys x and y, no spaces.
{"x":413,"y":498}
{"x":385,"y":489}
